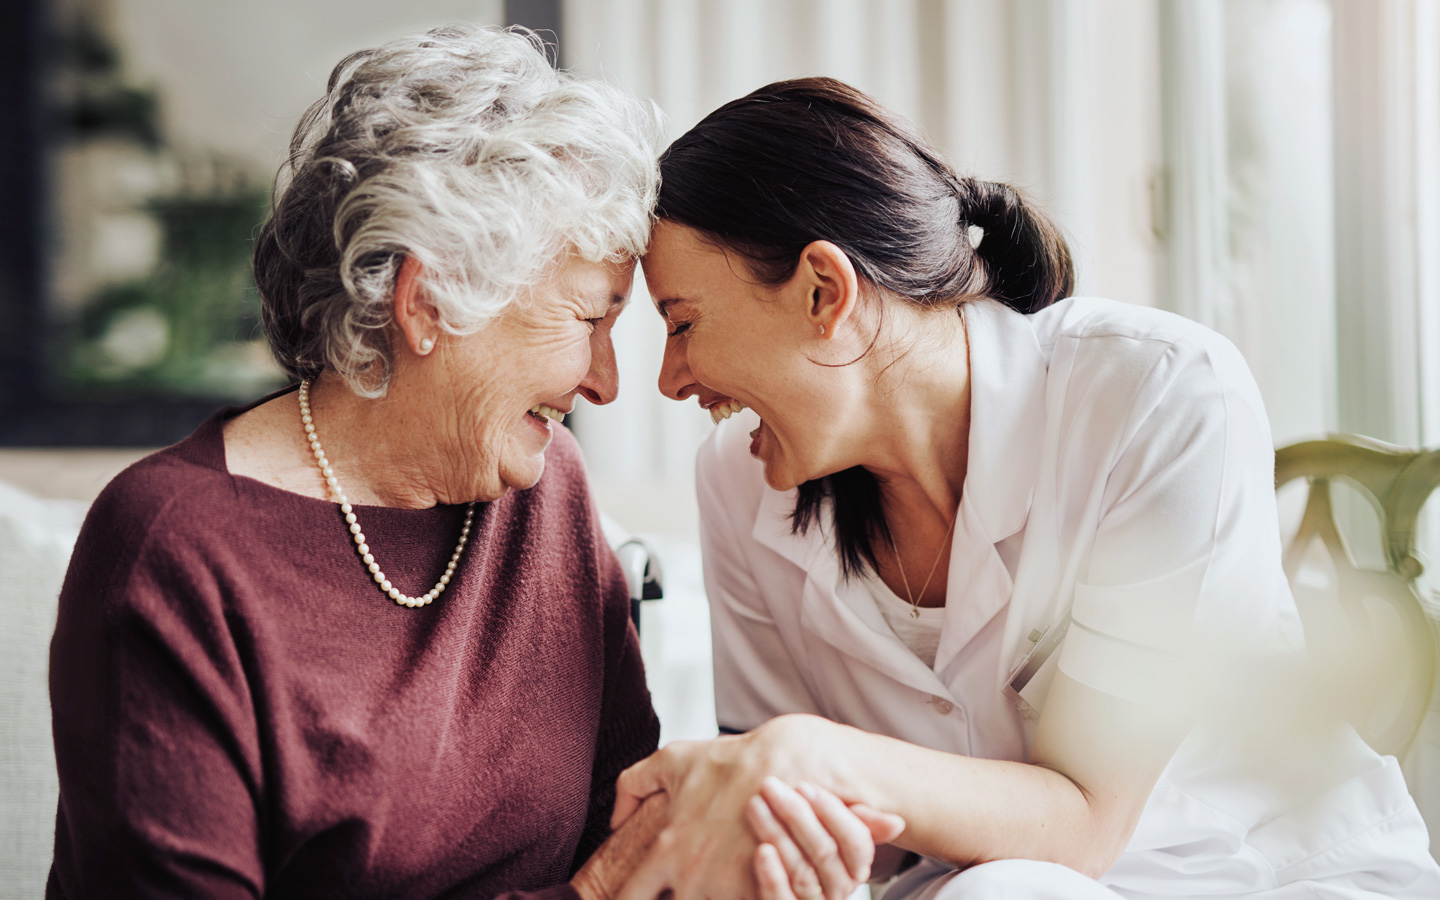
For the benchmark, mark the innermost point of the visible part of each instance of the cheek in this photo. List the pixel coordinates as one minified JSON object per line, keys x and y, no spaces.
{"x":717,"y":363}
{"x":554,"y":364}
{"x":570,"y":365}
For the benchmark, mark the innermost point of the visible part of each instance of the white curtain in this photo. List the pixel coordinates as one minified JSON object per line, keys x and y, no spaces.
{"x":1058,"y":97}
{"x":1387,"y":227}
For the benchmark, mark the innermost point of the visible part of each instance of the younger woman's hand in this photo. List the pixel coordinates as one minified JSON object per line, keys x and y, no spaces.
{"x":708,"y":851}
{"x":811,"y":843}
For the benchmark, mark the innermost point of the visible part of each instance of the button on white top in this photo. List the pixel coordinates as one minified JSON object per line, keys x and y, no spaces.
{"x":942,"y":706}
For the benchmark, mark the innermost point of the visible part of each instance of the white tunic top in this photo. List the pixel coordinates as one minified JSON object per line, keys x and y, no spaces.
{"x":1120,"y":475}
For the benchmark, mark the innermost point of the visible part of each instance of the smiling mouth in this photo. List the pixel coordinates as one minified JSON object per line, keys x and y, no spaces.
{"x":724,"y":410}
{"x":547,"y":413}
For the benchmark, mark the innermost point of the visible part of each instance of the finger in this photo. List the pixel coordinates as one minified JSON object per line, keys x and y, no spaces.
{"x":851,"y":835}
{"x":768,"y":830}
{"x":646,"y":777}
{"x":652,"y":876}
{"x":884,"y":827}
{"x":770,"y":875}
{"x":818,"y":845}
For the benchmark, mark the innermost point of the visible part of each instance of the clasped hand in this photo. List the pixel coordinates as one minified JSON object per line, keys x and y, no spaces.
{"x":746,"y":821}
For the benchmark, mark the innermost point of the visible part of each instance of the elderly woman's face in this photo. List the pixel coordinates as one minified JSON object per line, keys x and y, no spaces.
{"x":513,"y":380}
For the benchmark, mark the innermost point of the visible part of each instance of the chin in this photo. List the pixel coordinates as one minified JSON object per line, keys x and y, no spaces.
{"x":523,"y":476}
{"x":779,"y":479}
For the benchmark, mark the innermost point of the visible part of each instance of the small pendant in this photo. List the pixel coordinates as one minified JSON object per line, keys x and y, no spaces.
{"x":914,"y":612}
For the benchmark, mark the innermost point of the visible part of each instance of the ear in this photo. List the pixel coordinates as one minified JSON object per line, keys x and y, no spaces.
{"x":830,"y":287}
{"x":415,"y":315}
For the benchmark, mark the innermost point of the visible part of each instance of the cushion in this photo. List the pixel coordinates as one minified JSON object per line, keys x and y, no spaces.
{"x":36,"y":537}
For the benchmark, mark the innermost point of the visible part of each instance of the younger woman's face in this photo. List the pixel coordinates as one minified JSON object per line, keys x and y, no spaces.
{"x":733,"y":341}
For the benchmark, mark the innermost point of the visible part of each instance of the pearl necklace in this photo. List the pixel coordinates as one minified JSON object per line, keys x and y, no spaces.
{"x":337,"y":496}
{"x":915,"y":604}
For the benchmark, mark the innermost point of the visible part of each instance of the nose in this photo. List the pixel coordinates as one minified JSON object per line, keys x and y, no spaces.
{"x":676,"y":382}
{"x":601,"y":384}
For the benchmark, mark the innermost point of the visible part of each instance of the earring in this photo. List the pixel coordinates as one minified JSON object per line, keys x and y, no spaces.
{"x":822,"y":330}
{"x":426,"y":345}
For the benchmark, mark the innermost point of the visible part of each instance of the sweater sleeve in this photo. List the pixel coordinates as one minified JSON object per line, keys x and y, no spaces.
{"x":558,"y":892}
{"x":629,"y":730}
{"x":155,"y":734}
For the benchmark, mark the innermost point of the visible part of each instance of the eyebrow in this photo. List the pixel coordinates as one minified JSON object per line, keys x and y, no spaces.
{"x":615,"y":300}
{"x":663,"y":306}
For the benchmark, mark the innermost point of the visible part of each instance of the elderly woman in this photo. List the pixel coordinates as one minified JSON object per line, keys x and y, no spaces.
{"x":364,"y":638}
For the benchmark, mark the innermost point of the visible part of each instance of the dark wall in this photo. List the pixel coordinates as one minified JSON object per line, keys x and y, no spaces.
{"x":35,"y":410}
{"x":22,"y":288}
{"x":537,"y":15}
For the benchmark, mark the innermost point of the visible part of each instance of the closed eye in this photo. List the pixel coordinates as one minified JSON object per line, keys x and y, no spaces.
{"x":679,"y":329}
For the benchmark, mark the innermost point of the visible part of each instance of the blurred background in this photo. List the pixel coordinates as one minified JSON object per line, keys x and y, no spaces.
{"x":1270,"y":168}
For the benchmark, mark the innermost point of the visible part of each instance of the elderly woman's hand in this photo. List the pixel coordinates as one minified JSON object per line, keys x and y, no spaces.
{"x":732,"y":816}
{"x":611,"y":866}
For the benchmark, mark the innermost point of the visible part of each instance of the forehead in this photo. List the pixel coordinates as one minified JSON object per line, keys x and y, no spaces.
{"x":577,"y":278}
{"x":681,"y":261}
{"x":669,"y":240}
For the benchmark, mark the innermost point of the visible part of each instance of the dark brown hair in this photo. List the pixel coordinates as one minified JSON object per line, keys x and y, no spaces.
{"x":815,"y":159}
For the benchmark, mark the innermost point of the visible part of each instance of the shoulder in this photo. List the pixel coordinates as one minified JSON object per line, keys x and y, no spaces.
{"x":1104,"y":335}
{"x":146,"y":548}
{"x":158,"y":496}
{"x":1144,"y":358}
{"x":1098,"y":317}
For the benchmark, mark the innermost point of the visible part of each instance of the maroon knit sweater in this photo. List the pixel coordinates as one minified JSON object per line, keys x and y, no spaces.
{"x":239,"y":711}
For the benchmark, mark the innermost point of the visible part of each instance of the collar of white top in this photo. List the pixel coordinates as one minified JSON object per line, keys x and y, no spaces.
{"x":1007,"y":420}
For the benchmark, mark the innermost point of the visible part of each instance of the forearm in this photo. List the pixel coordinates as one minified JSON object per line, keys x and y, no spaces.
{"x":1092,"y":766}
{"x":966,"y":811}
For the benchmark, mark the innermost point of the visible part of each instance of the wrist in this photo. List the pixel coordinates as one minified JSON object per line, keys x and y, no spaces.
{"x":588,"y":886}
{"x":826,"y":753}
{"x":849,"y":767}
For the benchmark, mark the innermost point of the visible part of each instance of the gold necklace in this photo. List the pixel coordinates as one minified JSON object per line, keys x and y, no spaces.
{"x":915,"y":604}
{"x":337,"y":496}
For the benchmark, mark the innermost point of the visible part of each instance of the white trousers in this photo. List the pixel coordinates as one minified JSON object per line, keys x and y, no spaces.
{"x":1005,"y":879}
{"x":1023,"y":879}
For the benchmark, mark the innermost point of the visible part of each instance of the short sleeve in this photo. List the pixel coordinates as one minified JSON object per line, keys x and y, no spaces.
{"x":1185,"y":565}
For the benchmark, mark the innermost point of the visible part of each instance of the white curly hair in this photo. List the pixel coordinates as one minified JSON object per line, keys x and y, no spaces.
{"x":465,"y":149}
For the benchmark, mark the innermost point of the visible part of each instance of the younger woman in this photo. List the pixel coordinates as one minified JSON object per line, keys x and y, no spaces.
{"x":976,"y":552}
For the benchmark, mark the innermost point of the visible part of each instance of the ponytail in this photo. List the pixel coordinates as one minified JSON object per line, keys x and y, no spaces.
{"x":1026,"y":262}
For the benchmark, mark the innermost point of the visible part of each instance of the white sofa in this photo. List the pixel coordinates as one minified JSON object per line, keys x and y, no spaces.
{"x":36,"y":537}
